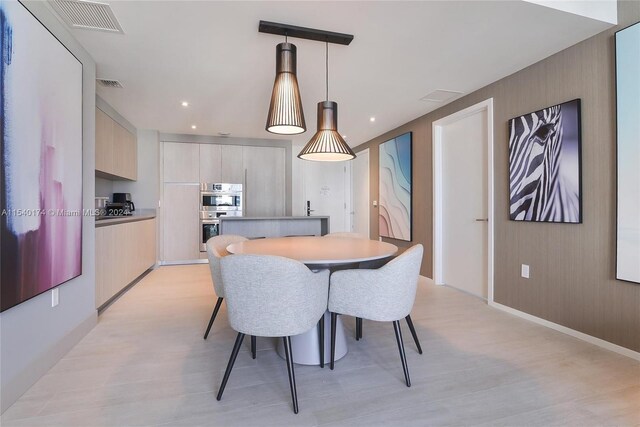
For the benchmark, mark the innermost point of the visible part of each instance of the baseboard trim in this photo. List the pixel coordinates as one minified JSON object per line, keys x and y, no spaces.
{"x":572,"y":332}
{"x":22,"y":382}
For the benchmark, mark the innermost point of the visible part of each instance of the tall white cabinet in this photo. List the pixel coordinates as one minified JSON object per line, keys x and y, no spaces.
{"x":264,"y":187}
{"x":260,"y":169}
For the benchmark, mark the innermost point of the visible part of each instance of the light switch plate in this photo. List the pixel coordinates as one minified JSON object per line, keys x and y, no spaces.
{"x":375,"y":203}
{"x":55,"y":297}
{"x":524,"y":271}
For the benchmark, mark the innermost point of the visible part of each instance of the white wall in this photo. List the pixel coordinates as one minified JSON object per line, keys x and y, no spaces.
{"x":33,"y":335}
{"x":145,"y":191}
{"x":601,"y":10}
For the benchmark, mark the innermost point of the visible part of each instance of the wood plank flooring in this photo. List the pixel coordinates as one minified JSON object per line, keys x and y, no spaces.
{"x":145,"y":363}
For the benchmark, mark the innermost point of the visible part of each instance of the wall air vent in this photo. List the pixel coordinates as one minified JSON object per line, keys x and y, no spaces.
{"x":87,"y":15}
{"x":110,"y":83}
{"x":441,"y":95}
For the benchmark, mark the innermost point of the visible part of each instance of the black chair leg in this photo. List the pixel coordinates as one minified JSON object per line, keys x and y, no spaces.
{"x":413,"y":333}
{"x":213,"y":316}
{"x":253,"y":346}
{"x":232,"y":360}
{"x":359,"y":328}
{"x":403,"y":358}
{"x":334,"y":319}
{"x":292,"y":375}
{"x":321,"y":340}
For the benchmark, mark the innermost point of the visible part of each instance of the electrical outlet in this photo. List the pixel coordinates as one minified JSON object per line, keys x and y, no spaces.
{"x":55,"y":297}
{"x":524,"y":271}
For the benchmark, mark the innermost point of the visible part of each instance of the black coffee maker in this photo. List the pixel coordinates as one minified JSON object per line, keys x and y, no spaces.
{"x":125,"y":199}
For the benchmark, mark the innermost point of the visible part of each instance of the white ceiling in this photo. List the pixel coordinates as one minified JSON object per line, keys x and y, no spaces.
{"x":211,"y":55}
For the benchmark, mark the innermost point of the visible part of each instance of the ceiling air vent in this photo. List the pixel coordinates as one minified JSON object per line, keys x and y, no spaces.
{"x":109,"y":83}
{"x":87,"y":15}
{"x":441,"y":95}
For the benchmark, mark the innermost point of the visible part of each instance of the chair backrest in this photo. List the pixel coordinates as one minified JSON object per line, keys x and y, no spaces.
{"x":345,"y":234}
{"x":383,"y":294}
{"x":272,"y":296}
{"x":216,"y":250}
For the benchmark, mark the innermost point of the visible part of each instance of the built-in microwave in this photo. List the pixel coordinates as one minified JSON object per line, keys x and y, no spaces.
{"x":220,"y":197}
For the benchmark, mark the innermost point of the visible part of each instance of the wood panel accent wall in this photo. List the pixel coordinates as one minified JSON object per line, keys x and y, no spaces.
{"x":572,"y":266}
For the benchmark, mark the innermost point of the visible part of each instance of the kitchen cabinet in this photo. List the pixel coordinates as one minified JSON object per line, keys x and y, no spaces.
{"x":104,"y":142}
{"x":116,"y":149}
{"x":181,"y":222}
{"x":181,"y":162}
{"x":210,"y":162}
{"x":123,"y":252}
{"x":231,"y":170}
{"x":125,"y":153}
{"x":264,"y":183}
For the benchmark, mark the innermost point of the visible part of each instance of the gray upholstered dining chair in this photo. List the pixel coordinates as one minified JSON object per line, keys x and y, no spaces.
{"x":216,"y":250}
{"x":271,"y":296}
{"x":386,"y":294}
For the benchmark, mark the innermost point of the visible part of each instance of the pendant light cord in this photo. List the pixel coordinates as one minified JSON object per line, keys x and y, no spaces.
{"x":327,"y":67}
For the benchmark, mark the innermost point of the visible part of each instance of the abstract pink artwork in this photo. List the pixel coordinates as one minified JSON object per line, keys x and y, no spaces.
{"x":41,"y":187}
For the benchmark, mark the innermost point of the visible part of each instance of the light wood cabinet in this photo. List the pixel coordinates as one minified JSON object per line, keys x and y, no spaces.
{"x":264,"y":186}
{"x":181,"y":222}
{"x":123,"y":252}
{"x":231,"y":169}
{"x":210,"y":162}
{"x":104,"y":142}
{"x":181,"y":162}
{"x":116,"y":149}
{"x":125,"y":156}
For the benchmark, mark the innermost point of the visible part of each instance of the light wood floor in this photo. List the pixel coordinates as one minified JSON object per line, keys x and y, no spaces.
{"x":147,"y":364}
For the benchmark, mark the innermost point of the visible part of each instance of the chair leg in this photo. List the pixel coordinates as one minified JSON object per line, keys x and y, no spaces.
{"x":213,"y":316}
{"x":334,"y":320}
{"x":413,"y":333}
{"x":321,"y":340}
{"x":253,"y":346}
{"x":232,"y":360}
{"x":359,"y":327}
{"x":292,"y":375}
{"x":403,"y":358}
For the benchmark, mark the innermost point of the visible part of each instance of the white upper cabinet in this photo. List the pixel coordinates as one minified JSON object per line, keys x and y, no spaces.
{"x":181,"y":162}
{"x":231,"y":169}
{"x":210,"y":163}
{"x":264,"y":185}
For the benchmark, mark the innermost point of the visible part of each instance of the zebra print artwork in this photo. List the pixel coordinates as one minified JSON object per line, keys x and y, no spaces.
{"x":544,"y":165}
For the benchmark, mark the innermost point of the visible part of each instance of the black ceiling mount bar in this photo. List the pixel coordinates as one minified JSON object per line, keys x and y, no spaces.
{"x":304,"y":33}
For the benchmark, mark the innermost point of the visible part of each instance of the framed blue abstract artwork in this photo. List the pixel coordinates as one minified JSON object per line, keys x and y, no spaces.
{"x":628,"y":131}
{"x":394,"y":216}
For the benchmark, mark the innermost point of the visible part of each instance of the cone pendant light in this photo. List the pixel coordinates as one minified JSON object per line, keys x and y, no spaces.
{"x":327,"y":145}
{"x":285,"y":112}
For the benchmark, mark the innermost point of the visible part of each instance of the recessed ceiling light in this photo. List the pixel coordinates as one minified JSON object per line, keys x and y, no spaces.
{"x":193,"y":126}
{"x":184,"y":103}
{"x":372,"y":119}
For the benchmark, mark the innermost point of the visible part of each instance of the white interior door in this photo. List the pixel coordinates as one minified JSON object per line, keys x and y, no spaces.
{"x":360,"y":194}
{"x":327,"y":186}
{"x":464,"y":191}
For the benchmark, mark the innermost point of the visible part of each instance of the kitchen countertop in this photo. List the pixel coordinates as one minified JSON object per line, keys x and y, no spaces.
{"x":138,"y":215}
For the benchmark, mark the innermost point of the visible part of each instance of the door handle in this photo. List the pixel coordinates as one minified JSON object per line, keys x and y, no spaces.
{"x":482,"y":219}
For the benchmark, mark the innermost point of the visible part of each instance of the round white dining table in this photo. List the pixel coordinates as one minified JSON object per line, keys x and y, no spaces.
{"x":318,"y":252}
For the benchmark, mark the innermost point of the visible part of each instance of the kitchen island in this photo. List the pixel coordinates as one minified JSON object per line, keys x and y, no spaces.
{"x":282,"y":226}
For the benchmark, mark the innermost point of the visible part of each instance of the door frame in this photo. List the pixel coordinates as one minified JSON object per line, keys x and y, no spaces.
{"x":352,"y":212}
{"x":437,"y":128}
